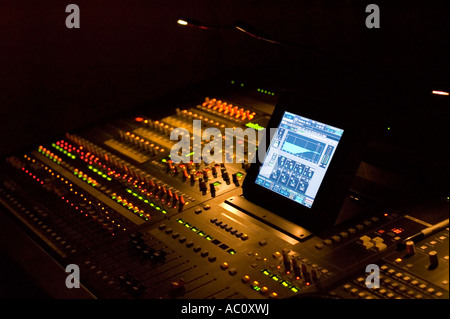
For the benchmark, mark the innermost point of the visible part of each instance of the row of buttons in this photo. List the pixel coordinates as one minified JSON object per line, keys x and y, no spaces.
{"x":347,"y":233}
{"x":229,"y":229}
{"x":188,"y":243}
{"x":357,"y":292}
{"x":409,"y":281}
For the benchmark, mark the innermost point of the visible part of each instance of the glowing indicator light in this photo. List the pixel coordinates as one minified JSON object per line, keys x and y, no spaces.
{"x":275,"y":277}
{"x":439,"y":92}
{"x":265,"y":272}
{"x":182,"y":22}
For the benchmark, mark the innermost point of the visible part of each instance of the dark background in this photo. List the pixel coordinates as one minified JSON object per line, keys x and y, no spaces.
{"x":126,"y":53}
{"x":129,"y":53}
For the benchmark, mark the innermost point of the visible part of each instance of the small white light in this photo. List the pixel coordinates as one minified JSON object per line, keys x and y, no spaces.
{"x":182,"y":22}
{"x":439,"y":92}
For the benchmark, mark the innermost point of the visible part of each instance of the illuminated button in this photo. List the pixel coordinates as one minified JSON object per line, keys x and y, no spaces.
{"x":377,"y":240}
{"x":444,"y":282}
{"x":353,"y":291}
{"x":391,"y":271}
{"x":433,"y":242}
{"x":418,"y":296}
{"x":422,"y":286}
{"x":347,"y":287}
{"x":414,"y":282}
{"x":380,"y":246}
{"x":430,"y":290}
{"x":362,"y":295}
{"x":264,"y":290}
{"x":390,"y":295}
{"x":276,"y":254}
{"x":224,"y":266}
{"x":273,"y":295}
{"x":364,"y":239}
{"x":368,"y":245}
{"x":244,"y":237}
{"x":245,"y":279}
{"x":439,"y":294}
{"x":382,"y":291}
{"x":406,"y":278}
{"x":207,"y":207}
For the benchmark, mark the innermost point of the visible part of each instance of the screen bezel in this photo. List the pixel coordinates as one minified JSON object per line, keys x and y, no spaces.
{"x":337,"y":180}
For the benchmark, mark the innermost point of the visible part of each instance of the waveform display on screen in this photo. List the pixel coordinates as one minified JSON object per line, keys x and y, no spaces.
{"x":303,"y":147}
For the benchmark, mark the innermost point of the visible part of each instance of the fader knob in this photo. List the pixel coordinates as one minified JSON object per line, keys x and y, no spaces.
{"x":410,"y":247}
{"x":434,"y":259}
{"x":212,"y":189}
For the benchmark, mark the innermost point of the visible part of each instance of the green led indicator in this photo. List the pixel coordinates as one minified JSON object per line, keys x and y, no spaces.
{"x":275,"y":277}
{"x":163,"y":160}
{"x":201,"y":233}
{"x":208,"y":237}
{"x":265,"y":272}
{"x":158,"y":208}
{"x":257,"y":288}
{"x":232,"y":81}
{"x":254,"y":126}
{"x":164,"y":211}
{"x":294,"y":289}
{"x":285,"y":283}
{"x":194,"y":229}
{"x":187,"y":225}
{"x":242,"y":85}
{"x":217,"y":183}
{"x":190,"y":154}
{"x":180,"y":221}
{"x":231,"y":251}
{"x":239,"y":174}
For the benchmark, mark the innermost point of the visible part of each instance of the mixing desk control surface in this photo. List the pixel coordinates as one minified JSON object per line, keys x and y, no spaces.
{"x":111,"y":200}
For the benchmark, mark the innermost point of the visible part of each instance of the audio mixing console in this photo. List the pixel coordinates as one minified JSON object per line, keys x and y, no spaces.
{"x":111,"y":200}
